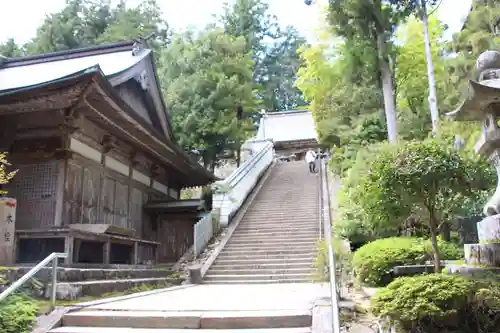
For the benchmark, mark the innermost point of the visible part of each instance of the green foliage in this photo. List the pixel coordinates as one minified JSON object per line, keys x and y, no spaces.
{"x":353,"y":222}
{"x":88,"y":22}
{"x":411,"y":299}
{"x":17,"y":314}
{"x":448,"y":251}
{"x":411,"y":77}
{"x":273,"y":51}
{"x":374,"y":261}
{"x":421,"y":178}
{"x":10,"y":49}
{"x":207,"y":78}
{"x":440,"y":303}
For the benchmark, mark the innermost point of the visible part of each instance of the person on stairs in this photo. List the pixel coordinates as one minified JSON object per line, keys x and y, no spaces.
{"x":311,"y":161}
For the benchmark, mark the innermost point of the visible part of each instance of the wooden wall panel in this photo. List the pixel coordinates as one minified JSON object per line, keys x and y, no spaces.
{"x":175,"y":234}
{"x":121,"y":205}
{"x":72,"y":194}
{"x":136,"y":210}
{"x":108,"y":199}
{"x":90,"y":196}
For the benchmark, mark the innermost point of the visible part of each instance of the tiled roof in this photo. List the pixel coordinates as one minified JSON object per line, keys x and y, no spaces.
{"x":16,"y":73}
{"x":287,"y":126}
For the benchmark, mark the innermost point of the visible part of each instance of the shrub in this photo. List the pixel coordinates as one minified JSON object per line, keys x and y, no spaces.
{"x":374,"y":261}
{"x":448,"y":251}
{"x":440,"y":303}
{"x":420,"y":177}
{"x":17,"y":314}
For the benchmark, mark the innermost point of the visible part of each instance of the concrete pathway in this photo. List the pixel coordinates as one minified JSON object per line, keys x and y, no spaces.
{"x":234,"y":297}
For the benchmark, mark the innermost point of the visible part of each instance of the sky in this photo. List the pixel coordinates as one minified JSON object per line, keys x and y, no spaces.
{"x":19,"y":19}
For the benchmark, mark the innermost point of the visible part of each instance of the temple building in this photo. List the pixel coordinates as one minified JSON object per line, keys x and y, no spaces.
{"x":292,"y":132}
{"x":100,"y":172}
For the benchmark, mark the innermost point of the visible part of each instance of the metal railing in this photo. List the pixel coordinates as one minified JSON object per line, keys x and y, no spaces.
{"x":204,"y":230}
{"x":327,"y":231}
{"x":53,"y":257}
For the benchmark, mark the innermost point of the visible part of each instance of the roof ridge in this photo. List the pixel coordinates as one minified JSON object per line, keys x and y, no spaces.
{"x":68,"y":54}
{"x":286,"y":113}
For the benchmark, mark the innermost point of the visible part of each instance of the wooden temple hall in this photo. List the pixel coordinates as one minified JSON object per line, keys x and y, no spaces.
{"x":100,"y":173}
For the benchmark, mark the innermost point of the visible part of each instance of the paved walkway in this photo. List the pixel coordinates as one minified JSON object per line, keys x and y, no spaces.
{"x":234,"y":297}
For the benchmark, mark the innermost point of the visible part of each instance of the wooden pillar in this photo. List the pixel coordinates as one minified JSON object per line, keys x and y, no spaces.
{"x":107,"y":252}
{"x":69,"y":242}
{"x":135,"y":254}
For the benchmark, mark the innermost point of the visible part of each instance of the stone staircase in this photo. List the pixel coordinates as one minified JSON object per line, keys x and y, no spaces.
{"x":254,"y":284}
{"x":275,"y":241}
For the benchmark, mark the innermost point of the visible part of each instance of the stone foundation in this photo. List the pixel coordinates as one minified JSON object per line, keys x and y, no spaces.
{"x":482,"y":254}
{"x":13,"y":274}
{"x":487,"y":252}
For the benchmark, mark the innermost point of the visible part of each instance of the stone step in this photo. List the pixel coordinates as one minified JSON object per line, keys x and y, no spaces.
{"x":264,"y":260}
{"x":190,"y":319}
{"x":262,"y":224}
{"x":288,"y":257}
{"x":312,"y":231}
{"x":254,"y":281}
{"x":268,"y":251}
{"x":275,"y":265}
{"x":276,"y":239}
{"x":303,"y":246}
{"x":283,"y":242}
{"x":288,"y":226}
{"x":272,"y":271}
{"x":274,"y":234}
{"x":303,"y":215}
{"x":75,"y":290}
{"x":278,"y":232}
{"x":76,"y":329}
{"x":243,"y":278}
{"x":295,"y":205}
{"x":85,"y":274}
{"x":278,"y":218}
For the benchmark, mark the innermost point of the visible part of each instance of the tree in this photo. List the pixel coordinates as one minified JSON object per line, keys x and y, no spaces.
{"x":10,"y":49}
{"x":207,"y":80}
{"x":420,"y":177}
{"x":411,"y":77}
{"x":280,"y":66}
{"x":345,"y":102}
{"x":433,"y":106}
{"x":370,"y":23}
{"x":274,"y":52}
{"x":141,"y":21}
{"x":5,"y":176}
{"x":89,"y":22}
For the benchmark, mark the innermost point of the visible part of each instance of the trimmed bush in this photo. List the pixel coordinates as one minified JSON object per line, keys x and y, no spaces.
{"x":438,"y":303}
{"x":17,"y":314}
{"x":373,"y":262}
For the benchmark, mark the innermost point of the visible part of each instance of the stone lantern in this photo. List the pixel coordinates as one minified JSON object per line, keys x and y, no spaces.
{"x":482,"y":104}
